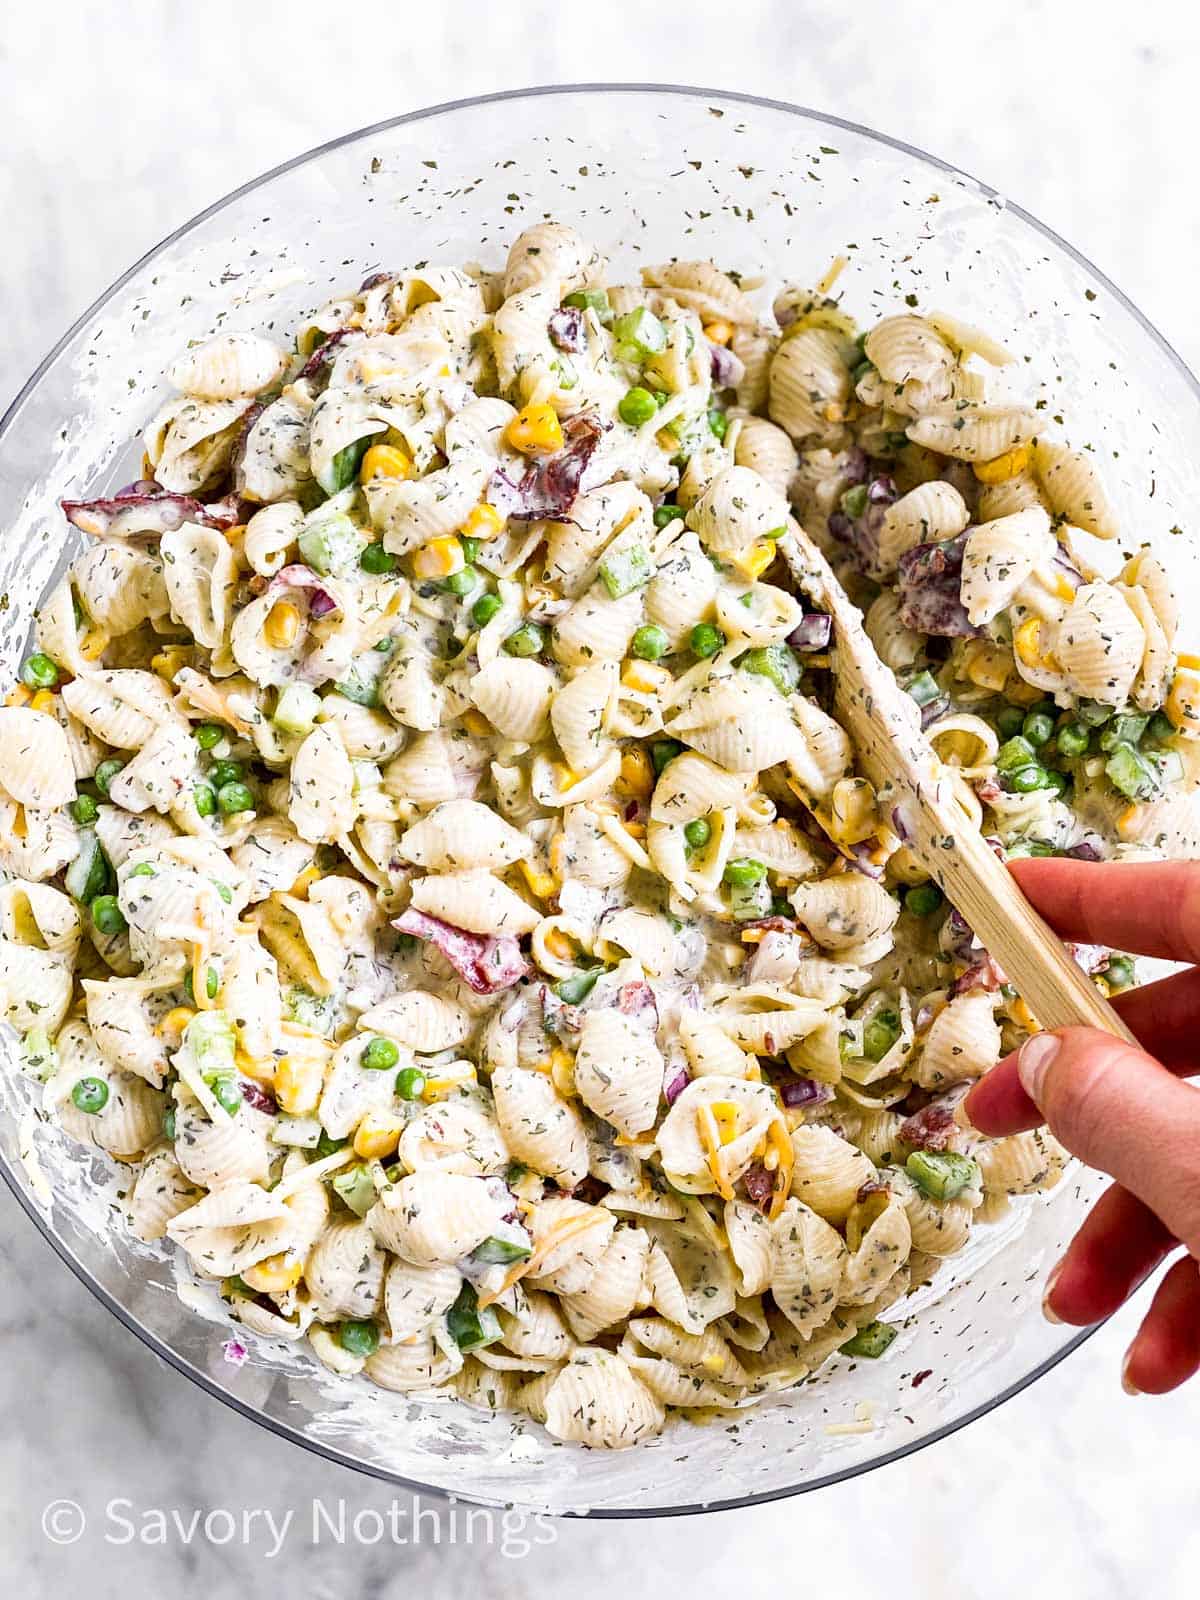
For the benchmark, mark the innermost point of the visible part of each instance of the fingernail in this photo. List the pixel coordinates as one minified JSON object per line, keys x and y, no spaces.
{"x":1047,"y":1310}
{"x":1127,"y":1382}
{"x":1034,"y":1059}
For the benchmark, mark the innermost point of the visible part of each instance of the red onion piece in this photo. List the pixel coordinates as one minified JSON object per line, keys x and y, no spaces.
{"x":637,"y":1000}
{"x":143,"y":508}
{"x":1089,"y":957}
{"x":566,"y":329}
{"x":549,"y":485}
{"x":675,"y":1084}
{"x":486,"y":964}
{"x":759,"y":1186}
{"x":322,"y":356}
{"x":1083,"y":852}
{"x":929,"y":576}
{"x":255,"y":1095}
{"x":932,"y":1128}
{"x":804,"y":1092}
{"x":812,"y":632}
{"x":727,"y":369}
{"x":321,"y":601}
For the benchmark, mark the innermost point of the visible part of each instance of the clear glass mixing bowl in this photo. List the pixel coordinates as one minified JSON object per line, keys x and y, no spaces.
{"x":647,"y":173}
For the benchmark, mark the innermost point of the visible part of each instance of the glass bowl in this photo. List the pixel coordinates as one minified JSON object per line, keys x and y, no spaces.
{"x":647,"y":173}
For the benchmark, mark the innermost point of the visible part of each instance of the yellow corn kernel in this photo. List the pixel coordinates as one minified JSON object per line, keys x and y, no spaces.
{"x":93,"y":644}
{"x":298,"y":1084}
{"x":753,"y":562}
{"x":450,"y":1083}
{"x":260,"y":1068}
{"x":475,"y":722}
{"x":176,"y":1021}
{"x":560,"y":944}
{"x":43,"y":700}
{"x":377,"y":1135}
{"x":646,"y":676}
{"x":1001,"y":468}
{"x":236,"y":534}
{"x":725,"y":1115}
{"x":275,"y":1275}
{"x":1027,"y":642}
{"x":1064,"y":589}
{"x":987,"y":665}
{"x":562,"y":1071}
{"x":385,"y":461}
{"x":282,"y":625}
{"x":536,"y":430}
{"x":1183,"y":703}
{"x":564,"y":777}
{"x":635,"y":830}
{"x":1022,"y":693}
{"x":18,"y":696}
{"x":718,"y":331}
{"x":440,"y":558}
{"x":483,"y":522}
{"x":753,"y":935}
{"x":20,"y":824}
{"x":169,"y":661}
{"x":541,"y":883}
{"x":637,"y":773}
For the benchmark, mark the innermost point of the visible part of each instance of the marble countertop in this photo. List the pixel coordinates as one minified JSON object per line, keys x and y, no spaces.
{"x":116,"y":133}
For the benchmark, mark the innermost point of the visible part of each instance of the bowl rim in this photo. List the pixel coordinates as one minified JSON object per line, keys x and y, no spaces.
{"x":25,"y":1200}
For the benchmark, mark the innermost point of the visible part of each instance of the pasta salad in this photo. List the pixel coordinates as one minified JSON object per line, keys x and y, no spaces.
{"x":433,"y":866}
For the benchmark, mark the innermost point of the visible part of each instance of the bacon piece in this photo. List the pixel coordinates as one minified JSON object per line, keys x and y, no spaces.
{"x":144,"y":508}
{"x":759,"y":1186}
{"x":484,"y":963}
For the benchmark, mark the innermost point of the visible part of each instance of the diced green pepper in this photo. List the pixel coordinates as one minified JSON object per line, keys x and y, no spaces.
{"x":575,"y":988}
{"x":470,"y":1325}
{"x":776,"y":663}
{"x":89,"y":873}
{"x":356,"y":1187}
{"x":869,"y":1343}
{"x":1124,"y":729}
{"x":496,"y":1252}
{"x":942,"y":1174}
{"x":924,"y":688}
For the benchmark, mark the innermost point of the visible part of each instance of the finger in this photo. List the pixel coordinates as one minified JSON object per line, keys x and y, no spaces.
{"x":1165,"y":1016}
{"x":1117,"y":1109}
{"x":1149,"y":907}
{"x":1166,"y":1348}
{"x":1117,"y":1248}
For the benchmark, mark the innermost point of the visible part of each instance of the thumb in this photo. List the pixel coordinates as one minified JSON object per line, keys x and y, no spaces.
{"x":1116,"y":1108}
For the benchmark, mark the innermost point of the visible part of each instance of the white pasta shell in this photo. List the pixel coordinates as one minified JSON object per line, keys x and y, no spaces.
{"x":937,"y":1229}
{"x":160,"y":1193}
{"x":766,"y":449}
{"x":35,"y":986}
{"x":551,"y":251}
{"x":514,"y":694}
{"x":123,"y":1029}
{"x":569,"y":1267}
{"x":976,"y":432}
{"x":845,"y":911}
{"x":233,"y":1227}
{"x":434,"y":1216}
{"x":122,"y":706}
{"x":1021,"y":1164}
{"x":880,"y":1254}
{"x":615,"y":1288}
{"x":618,"y":1071}
{"x":590,"y":857}
{"x":820,"y":755}
{"x":414,"y":1297}
{"x":742,"y":723}
{"x":462,"y":836}
{"x":689,"y":1276}
{"x":1099,"y":644}
{"x":828,"y":1171}
{"x":273,"y":461}
{"x":750,"y":1244}
{"x":344,"y":1271}
{"x":702,"y":287}
{"x":578,"y":712}
{"x":683,"y":589}
{"x":574,"y":546}
{"x":929,"y":513}
{"x":230,"y":365}
{"x":907,"y":349}
{"x":216,"y":1153}
{"x":426,"y":1023}
{"x":1074,"y":489}
{"x":410,"y":512}
{"x":597,"y":628}
{"x":321,"y":803}
{"x":963,"y":1041}
{"x":35,"y":761}
{"x":201,"y":578}
{"x":454,"y":1136}
{"x":597,"y":1400}
{"x":189,"y":442}
{"x":765,"y":1018}
{"x":271,"y":536}
{"x":1018,"y":493}
{"x":1148,"y":573}
{"x":807,"y":1262}
{"x":537,"y":1330}
{"x":810,"y":386}
{"x":540,"y":1128}
{"x":250,"y":995}
{"x":487,"y":1389}
{"x":710,"y":1050}
{"x":1153,"y":677}
{"x":682,"y":1151}
{"x":997,"y":559}
{"x":644,"y":935}
{"x":435,"y":767}
{"x":737,"y":510}
{"x":120,"y":586}
{"x":475,"y":901}
{"x":421,"y":1363}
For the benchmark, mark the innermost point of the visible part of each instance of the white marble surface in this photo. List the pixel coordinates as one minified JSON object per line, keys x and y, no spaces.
{"x":118,"y":123}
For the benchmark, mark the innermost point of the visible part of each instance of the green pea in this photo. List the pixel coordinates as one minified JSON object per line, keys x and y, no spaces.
{"x":1161,"y":727}
{"x":663,"y":752}
{"x":706,"y":639}
{"x":665,"y":515}
{"x":527,"y":640}
{"x":637,"y":406}
{"x":743,"y":871}
{"x":485,"y":608}
{"x":1026,"y":779}
{"x":227,"y":1091}
{"x":205,"y":797}
{"x":208,"y":734}
{"x":39,"y":672}
{"x":410,"y":1083}
{"x":107,"y":914}
{"x":923,"y":899}
{"x":234,"y":797}
{"x":880,"y":1034}
{"x":379,"y":1055}
{"x":1072,"y":739}
{"x":1038,"y":728}
{"x":212,"y":982}
{"x":650,"y":642}
{"x":461,"y":582}
{"x":698,"y":832}
{"x":377,"y":561}
{"x":1120,"y":972}
{"x":85,"y":810}
{"x":718,"y":423}
{"x":1058,"y":781}
{"x":90,"y":1095}
{"x":222,"y":772}
{"x":869,"y":1343}
{"x":1009,"y":721}
{"x":106,"y":772}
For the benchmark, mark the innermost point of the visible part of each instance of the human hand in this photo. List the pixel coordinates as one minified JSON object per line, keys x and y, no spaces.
{"x":1121,"y":1109}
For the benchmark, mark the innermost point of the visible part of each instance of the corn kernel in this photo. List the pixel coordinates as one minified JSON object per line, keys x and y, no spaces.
{"x":646,"y":676}
{"x":987,"y":665}
{"x":560,"y":945}
{"x":176,"y":1020}
{"x":236,"y":534}
{"x":298,"y":1084}
{"x":637,"y":773}
{"x":20,"y":824}
{"x":1183,"y":704}
{"x":1127,"y":820}
{"x":1001,"y":468}
{"x":541,"y":883}
{"x":275,"y":1275}
{"x":483,"y":522}
{"x":475,"y":722}
{"x":282,"y":625}
{"x":562,"y":1071}
{"x":725,"y":1115}
{"x":43,"y":700}
{"x":536,"y":430}
{"x":1027,"y":644}
{"x":718,"y":331}
{"x":1022,"y":693}
{"x":440,"y":558}
{"x":755,"y":560}
{"x":93,"y":644}
{"x":440,"y":1088}
{"x":169,"y":661}
{"x":385,"y":461}
{"x":1024,"y":1018}
{"x":377,"y":1135}
{"x":260,"y":1068}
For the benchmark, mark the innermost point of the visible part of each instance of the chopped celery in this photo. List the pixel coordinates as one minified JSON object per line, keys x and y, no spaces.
{"x":749,"y":901}
{"x":356,"y":1187}
{"x":310,"y":1010}
{"x":924,"y":688}
{"x":1124,"y":729}
{"x":854,"y":501}
{"x":776,"y":663}
{"x":626,"y":570}
{"x":942,"y":1174}
{"x":89,"y":873}
{"x":297,"y":709}
{"x":469,"y":1324}
{"x":331,"y":544}
{"x":211,"y":1041}
{"x":361,"y":683}
{"x":871,"y":1342}
{"x":639,"y":335}
{"x":1015,"y":754}
{"x":1131,"y":774}
{"x":880,"y":1034}
{"x":591,"y":300}
{"x":1093,"y":713}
